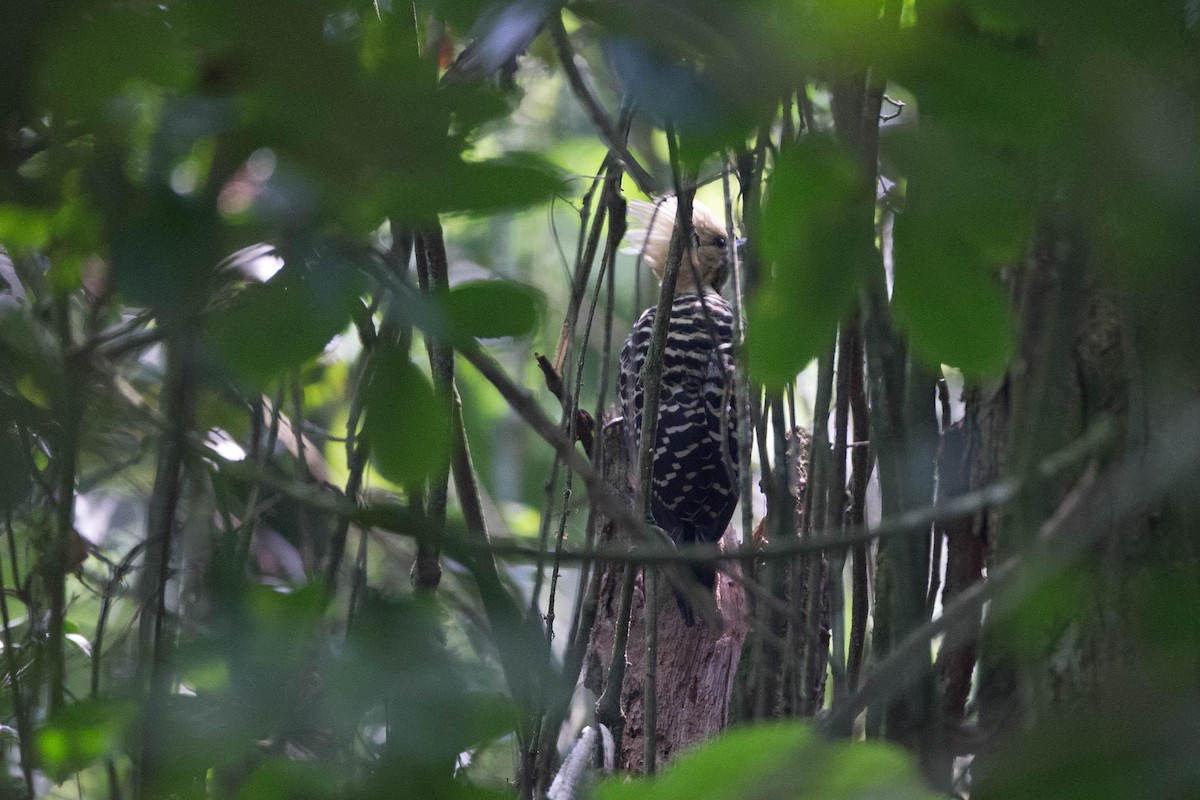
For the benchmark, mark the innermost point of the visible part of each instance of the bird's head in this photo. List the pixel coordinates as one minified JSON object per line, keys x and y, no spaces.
{"x":712,"y":253}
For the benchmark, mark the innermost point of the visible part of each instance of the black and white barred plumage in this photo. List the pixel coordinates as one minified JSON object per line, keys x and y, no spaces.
{"x":695,"y":487}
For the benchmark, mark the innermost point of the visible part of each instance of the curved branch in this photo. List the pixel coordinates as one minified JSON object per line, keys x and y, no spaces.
{"x":608,"y":131}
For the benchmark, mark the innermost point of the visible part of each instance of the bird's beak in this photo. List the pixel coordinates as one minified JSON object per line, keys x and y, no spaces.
{"x":740,"y":244}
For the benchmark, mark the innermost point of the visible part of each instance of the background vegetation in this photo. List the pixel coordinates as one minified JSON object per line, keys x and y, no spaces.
{"x":289,"y":511}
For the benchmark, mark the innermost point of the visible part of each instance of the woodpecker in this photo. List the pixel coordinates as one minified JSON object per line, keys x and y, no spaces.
{"x":694,"y":489}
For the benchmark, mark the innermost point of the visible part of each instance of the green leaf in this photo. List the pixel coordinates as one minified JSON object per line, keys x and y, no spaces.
{"x":81,"y":734}
{"x":286,"y":779}
{"x":516,"y":180}
{"x":784,"y":761}
{"x":983,"y":194}
{"x":816,"y":231}
{"x":279,"y":325}
{"x":489,"y":309}
{"x":95,"y":57}
{"x":23,"y":228}
{"x":951,"y":306}
{"x":994,"y":93}
{"x":728,"y":767}
{"x":163,"y":252}
{"x":967,"y":213}
{"x":407,"y":426}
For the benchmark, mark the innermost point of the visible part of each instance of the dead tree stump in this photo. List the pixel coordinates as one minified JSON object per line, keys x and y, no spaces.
{"x":695,"y":666}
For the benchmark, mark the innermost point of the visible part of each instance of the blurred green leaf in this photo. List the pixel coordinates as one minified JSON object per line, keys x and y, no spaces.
{"x":278,"y":325}
{"x":23,"y":228}
{"x":489,"y":309}
{"x":202,"y":735}
{"x":407,"y":426}
{"x":163,"y":253}
{"x":285,"y":779}
{"x":779,"y":761}
{"x":983,"y":195}
{"x":98,"y":51}
{"x":979,"y":87}
{"x":514,"y":181}
{"x":698,"y":68}
{"x":953,"y":311}
{"x":816,"y":231}
{"x":967,"y":213}
{"x":81,"y":734}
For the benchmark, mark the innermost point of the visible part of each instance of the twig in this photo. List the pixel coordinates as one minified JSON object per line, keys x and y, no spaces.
{"x":585,"y":255}
{"x":1001,"y":492}
{"x":652,"y":367}
{"x":585,"y":423}
{"x":608,"y":131}
{"x":819,"y":489}
{"x":741,"y":378}
{"x":118,"y":575}
{"x":69,"y":416}
{"x":356,"y":462}
{"x":608,"y":706}
{"x":524,"y":658}
{"x":263,"y":456}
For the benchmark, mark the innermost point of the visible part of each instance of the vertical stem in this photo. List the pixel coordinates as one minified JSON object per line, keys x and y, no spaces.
{"x":741,"y":379}
{"x":570,"y":407}
{"x":18,"y":700}
{"x":835,"y":517}
{"x":428,"y":570}
{"x":860,"y":476}
{"x":179,"y":388}
{"x":650,"y":688}
{"x":819,"y":489}
{"x":679,"y":249}
{"x":69,"y":413}
{"x":781,"y":512}
{"x":608,"y":706}
{"x":585,"y":254}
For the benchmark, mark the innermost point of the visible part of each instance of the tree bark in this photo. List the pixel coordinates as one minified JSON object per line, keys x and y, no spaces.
{"x":695,"y":666}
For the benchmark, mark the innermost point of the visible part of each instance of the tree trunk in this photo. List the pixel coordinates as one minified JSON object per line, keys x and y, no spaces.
{"x":695,"y":666}
{"x":1073,"y":657}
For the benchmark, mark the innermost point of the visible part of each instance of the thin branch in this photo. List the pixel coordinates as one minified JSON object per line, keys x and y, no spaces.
{"x":431,"y":254}
{"x":1088,"y":516}
{"x":608,"y":131}
{"x":835,"y":517}
{"x":741,"y":377}
{"x":608,"y":706}
{"x":179,"y":388}
{"x":856,"y":517}
{"x":1094,"y":440}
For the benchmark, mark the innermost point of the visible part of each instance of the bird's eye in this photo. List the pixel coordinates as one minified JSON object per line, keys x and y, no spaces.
{"x":719,"y":241}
